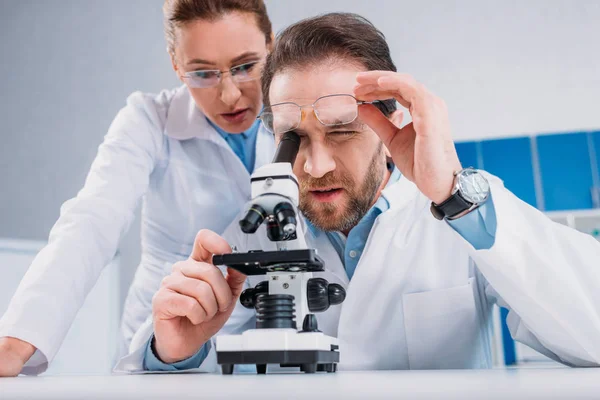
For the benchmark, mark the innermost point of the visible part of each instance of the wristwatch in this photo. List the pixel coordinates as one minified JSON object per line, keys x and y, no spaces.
{"x":470,"y":190}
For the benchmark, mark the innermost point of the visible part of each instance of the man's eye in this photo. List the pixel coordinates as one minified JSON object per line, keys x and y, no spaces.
{"x":343,"y":133}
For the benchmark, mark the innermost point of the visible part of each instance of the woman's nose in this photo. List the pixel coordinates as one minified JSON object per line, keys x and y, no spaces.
{"x":230,"y":93}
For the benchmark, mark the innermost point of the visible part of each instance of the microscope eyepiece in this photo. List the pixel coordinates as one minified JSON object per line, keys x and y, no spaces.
{"x":254,"y":217}
{"x":288,"y":148}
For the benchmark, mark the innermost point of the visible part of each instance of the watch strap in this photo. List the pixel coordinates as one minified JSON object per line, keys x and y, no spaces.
{"x":454,"y":205}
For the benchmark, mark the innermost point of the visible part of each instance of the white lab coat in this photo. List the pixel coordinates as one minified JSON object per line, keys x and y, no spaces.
{"x":421,"y":295}
{"x":161,"y":150}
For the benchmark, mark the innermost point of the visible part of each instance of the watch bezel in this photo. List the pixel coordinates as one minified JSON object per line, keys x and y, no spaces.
{"x":460,"y":185}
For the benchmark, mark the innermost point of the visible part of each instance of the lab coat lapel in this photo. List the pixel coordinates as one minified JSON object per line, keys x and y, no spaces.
{"x":265,"y":147}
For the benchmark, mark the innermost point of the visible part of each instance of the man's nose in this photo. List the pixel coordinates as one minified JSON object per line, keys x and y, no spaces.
{"x":319,"y":160}
{"x":230,"y":93}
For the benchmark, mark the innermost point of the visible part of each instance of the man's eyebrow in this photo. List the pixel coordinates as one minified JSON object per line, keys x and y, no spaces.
{"x":247,"y":54}
{"x":356,"y":125}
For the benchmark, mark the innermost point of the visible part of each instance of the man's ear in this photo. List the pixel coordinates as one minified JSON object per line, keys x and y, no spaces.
{"x":388,"y":155}
{"x":396,"y":117}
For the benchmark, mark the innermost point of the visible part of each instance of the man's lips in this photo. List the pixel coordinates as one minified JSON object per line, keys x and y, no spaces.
{"x":327,"y":194}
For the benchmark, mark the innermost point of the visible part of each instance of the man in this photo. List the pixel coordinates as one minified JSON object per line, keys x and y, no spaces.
{"x":421,"y":288}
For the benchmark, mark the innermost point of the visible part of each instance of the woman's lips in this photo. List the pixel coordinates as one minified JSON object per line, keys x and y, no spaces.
{"x":236,"y":116}
{"x":326,"y":195}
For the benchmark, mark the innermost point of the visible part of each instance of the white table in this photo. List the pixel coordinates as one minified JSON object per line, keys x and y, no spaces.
{"x":553,"y":383}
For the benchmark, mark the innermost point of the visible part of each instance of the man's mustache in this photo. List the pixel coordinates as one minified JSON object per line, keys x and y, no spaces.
{"x":327,"y":180}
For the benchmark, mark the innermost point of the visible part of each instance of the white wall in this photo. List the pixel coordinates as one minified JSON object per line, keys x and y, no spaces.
{"x":504,"y":67}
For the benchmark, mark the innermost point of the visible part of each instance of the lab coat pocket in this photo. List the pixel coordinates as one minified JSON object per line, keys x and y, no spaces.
{"x":443,"y":330}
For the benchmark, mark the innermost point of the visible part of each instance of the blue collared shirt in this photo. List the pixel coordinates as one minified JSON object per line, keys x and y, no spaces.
{"x":242,"y":144}
{"x":477,"y":227}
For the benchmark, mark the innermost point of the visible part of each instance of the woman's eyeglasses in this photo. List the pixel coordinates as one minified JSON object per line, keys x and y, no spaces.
{"x":207,"y":78}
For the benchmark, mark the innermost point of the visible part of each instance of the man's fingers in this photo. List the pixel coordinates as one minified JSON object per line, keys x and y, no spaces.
{"x":235,"y":280}
{"x":382,"y":126}
{"x":208,"y":243}
{"x":362,"y":89}
{"x":214,"y":277}
{"x":168,"y":304}
{"x":371,"y":77}
{"x":404,"y":88}
{"x":195,"y":288}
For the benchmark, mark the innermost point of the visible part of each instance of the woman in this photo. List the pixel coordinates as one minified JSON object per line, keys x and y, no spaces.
{"x":186,"y":153}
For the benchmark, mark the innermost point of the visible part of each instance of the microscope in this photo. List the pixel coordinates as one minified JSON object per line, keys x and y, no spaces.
{"x":286,"y":327}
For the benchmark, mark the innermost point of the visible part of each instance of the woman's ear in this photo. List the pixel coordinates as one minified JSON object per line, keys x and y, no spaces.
{"x":396,"y":117}
{"x":174,"y":64}
{"x":271,"y":44}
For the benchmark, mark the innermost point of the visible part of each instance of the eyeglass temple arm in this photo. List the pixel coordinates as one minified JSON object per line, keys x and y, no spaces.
{"x":361,"y":102}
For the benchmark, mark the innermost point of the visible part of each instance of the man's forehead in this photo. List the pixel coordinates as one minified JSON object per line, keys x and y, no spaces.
{"x":306,"y":85}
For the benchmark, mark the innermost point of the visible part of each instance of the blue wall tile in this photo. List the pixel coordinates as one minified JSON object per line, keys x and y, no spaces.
{"x":596,"y":141}
{"x":467,"y":154}
{"x":510,"y":160}
{"x":566,"y":171}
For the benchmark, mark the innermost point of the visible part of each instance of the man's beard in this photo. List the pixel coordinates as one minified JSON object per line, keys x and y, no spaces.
{"x":332,"y":216}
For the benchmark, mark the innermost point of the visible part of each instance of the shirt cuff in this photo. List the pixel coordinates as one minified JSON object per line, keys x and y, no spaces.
{"x":479,"y":226}
{"x":153,"y":363}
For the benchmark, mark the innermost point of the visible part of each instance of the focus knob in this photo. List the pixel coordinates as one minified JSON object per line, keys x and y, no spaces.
{"x":320,"y":294}
{"x":248,"y":296}
{"x":336,"y":293}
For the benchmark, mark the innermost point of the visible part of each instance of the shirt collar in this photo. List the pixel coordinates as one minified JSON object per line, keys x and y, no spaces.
{"x":246,"y":134}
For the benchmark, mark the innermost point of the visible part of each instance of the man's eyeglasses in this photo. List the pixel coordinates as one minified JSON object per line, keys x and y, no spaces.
{"x":330,"y":110}
{"x":207,"y":78}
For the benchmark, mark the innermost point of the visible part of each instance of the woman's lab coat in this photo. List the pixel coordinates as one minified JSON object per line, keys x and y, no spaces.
{"x":162,"y":151}
{"x":421,"y":295}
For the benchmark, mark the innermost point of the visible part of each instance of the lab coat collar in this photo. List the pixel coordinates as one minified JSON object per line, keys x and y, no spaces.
{"x":401,"y":193}
{"x":185,"y":121}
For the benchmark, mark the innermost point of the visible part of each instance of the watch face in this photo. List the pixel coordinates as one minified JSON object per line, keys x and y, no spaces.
{"x":473,"y":186}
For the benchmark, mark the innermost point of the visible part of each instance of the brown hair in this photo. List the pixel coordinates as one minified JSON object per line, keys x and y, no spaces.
{"x":180,"y":12}
{"x":329,"y":37}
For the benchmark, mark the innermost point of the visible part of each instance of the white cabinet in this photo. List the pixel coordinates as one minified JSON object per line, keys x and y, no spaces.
{"x":586,"y":221}
{"x":91,"y":344}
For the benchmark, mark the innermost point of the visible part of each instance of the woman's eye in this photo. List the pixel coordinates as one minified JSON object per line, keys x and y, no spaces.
{"x":244,"y":68}
{"x":205,"y":74}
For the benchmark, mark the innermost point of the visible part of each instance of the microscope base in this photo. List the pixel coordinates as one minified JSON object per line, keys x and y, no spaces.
{"x":309,"y":361}
{"x":311,"y":351}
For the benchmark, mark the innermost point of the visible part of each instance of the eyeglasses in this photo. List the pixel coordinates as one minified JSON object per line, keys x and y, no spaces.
{"x":330,"y":110}
{"x":207,"y":78}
